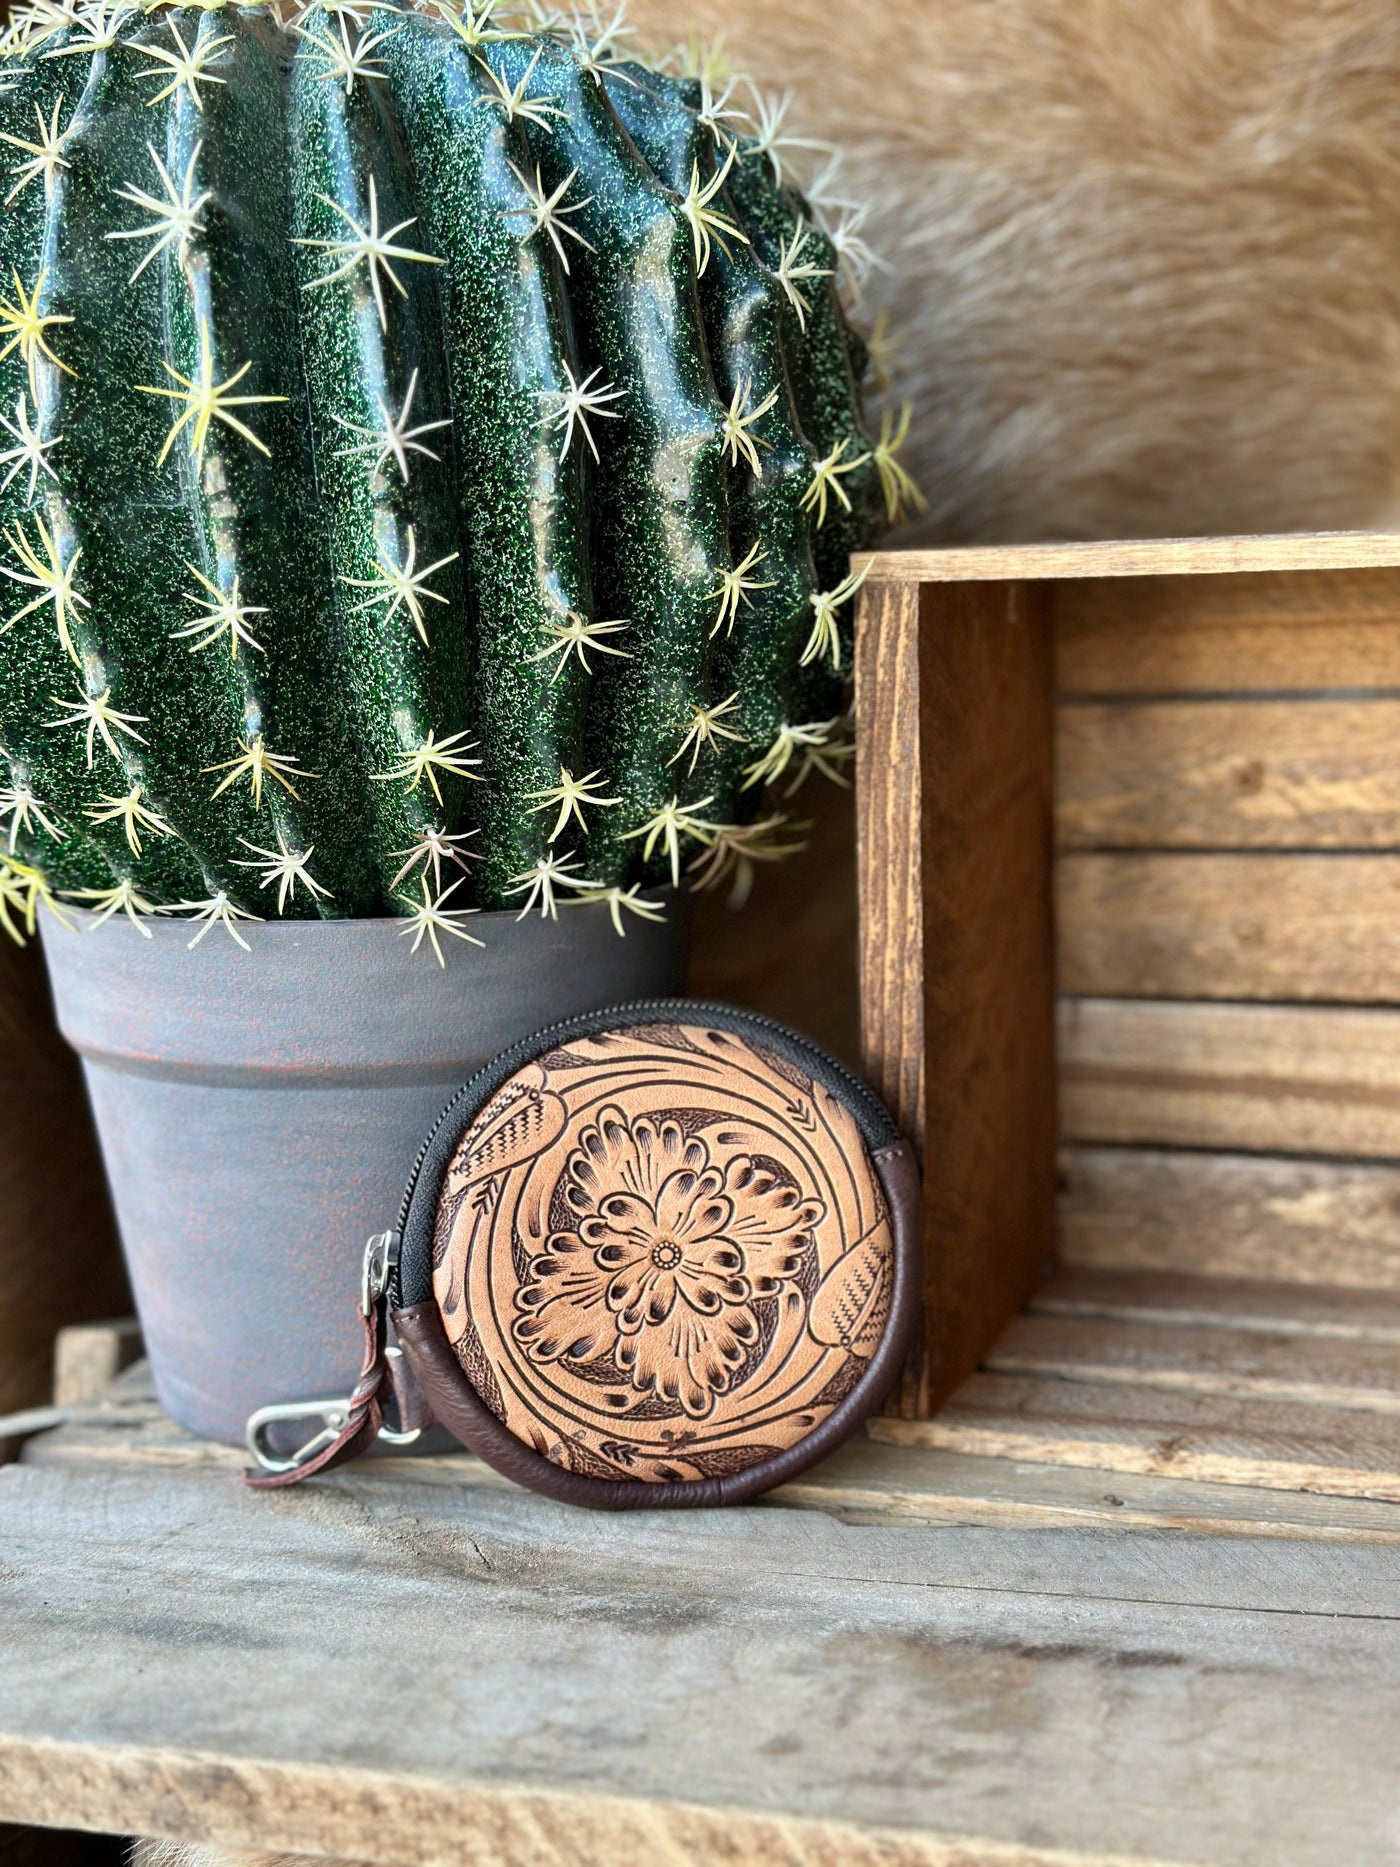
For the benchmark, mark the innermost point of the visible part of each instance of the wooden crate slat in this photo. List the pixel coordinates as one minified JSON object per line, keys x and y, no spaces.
{"x":955,"y":849}
{"x":1214,"y":1438}
{"x":889,"y":810}
{"x":1146,"y":558}
{"x":1270,"y":1308}
{"x":1312,"y":1370}
{"x":277,"y":1809}
{"x":1231,"y":1215}
{"x":1322,"y":928}
{"x":874,"y":1482}
{"x":1274,"y":632}
{"x":1266,"y":774}
{"x":862,"y":1482}
{"x":1301,"y":1079}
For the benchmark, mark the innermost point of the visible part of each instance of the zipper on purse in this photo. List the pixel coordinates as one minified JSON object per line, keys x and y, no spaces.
{"x":380,"y":1270}
{"x":384,"y":1247}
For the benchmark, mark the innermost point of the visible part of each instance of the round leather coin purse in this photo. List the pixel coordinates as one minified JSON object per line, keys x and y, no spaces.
{"x":663,"y":1254}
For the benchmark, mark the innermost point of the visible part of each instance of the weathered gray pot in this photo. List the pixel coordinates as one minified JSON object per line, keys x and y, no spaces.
{"x":260,"y":1112}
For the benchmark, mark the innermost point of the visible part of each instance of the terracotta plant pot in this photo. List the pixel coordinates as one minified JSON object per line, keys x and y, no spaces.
{"x":260,"y":1112}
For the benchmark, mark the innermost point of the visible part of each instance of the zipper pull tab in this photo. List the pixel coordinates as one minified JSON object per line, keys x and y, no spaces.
{"x":381,"y":1262}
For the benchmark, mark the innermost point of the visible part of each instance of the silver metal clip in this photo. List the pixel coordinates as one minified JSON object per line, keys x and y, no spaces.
{"x":332,"y":1415}
{"x":381,"y":1261}
{"x":389,"y":1435}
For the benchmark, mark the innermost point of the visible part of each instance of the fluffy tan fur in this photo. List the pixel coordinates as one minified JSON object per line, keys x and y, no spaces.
{"x":1146,"y":253}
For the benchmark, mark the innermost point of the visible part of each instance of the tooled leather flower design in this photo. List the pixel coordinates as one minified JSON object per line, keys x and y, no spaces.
{"x":670,"y":1250}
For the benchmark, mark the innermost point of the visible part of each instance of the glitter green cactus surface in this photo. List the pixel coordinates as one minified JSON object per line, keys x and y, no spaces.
{"x":430,"y":462}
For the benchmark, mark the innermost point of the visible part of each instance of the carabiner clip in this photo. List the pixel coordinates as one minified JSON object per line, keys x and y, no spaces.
{"x":332,"y":1415}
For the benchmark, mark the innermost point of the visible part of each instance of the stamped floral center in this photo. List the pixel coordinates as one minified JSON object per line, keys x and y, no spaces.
{"x":671,"y":1250}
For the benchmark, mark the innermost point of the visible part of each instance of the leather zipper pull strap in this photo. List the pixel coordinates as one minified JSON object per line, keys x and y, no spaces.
{"x":348,"y":1426}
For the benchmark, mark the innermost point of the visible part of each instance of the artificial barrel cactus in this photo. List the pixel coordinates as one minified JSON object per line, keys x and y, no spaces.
{"x":432,"y":454}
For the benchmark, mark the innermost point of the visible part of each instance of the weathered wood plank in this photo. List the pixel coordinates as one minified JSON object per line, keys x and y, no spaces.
{"x":919,"y":1485}
{"x":1230,"y":1215}
{"x":1294,"y":1079}
{"x":1224,"y":1302}
{"x":417,"y":1822}
{"x":862,"y":1482}
{"x":1310,"y":1370}
{"x":519,"y":1539}
{"x":889,"y":850}
{"x":954,"y":706}
{"x":1219,"y":774}
{"x":1136,"y":557}
{"x":88,"y":1357}
{"x":1319,"y":928}
{"x":445,"y":1680}
{"x":1281,"y":631}
{"x":16,"y":1428}
{"x":1224,"y":1438}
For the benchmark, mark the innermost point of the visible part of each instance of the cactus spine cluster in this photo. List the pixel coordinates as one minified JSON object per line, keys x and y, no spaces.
{"x":432,"y":454}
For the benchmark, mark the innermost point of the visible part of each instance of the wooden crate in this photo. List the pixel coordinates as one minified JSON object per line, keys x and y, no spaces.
{"x":1129,"y":852}
{"x":59,"y":1259}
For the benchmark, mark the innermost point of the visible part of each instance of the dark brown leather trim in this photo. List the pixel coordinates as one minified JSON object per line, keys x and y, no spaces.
{"x":413,"y":1414}
{"x":456,"y":1405}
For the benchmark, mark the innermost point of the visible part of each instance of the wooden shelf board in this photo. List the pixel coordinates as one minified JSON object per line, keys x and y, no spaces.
{"x":867,"y":1481}
{"x":1136,"y":557}
{"x":893,"y":1661}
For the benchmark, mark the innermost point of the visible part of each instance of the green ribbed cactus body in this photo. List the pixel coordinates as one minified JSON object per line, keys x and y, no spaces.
{"x":380,"y":415}
{"x":660,"y":521}
{"x":760,"y":634}
{"x":524,"y":498}
{"x":417,"y":440}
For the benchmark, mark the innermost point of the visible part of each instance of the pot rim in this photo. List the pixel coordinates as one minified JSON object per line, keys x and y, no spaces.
{"x":169,"y":927}
{"x":323,"y":1001}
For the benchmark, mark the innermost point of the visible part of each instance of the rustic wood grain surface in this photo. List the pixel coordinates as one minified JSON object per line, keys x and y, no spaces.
{"x":890,"y":783}
{"x":1229,"y":837}
{"x":1306,"y":1079}
{"x":1231,"y":926}
{"x":1228,"y":774}
{"x":953,"y":700}
{"x":865,"y":1482}
{"x":405,"y":1664}
{"x":1273,"y":631}
{"x":1223,"y":1381}
{"x":1307,"y":1222}
{"x":1138,"y":557}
